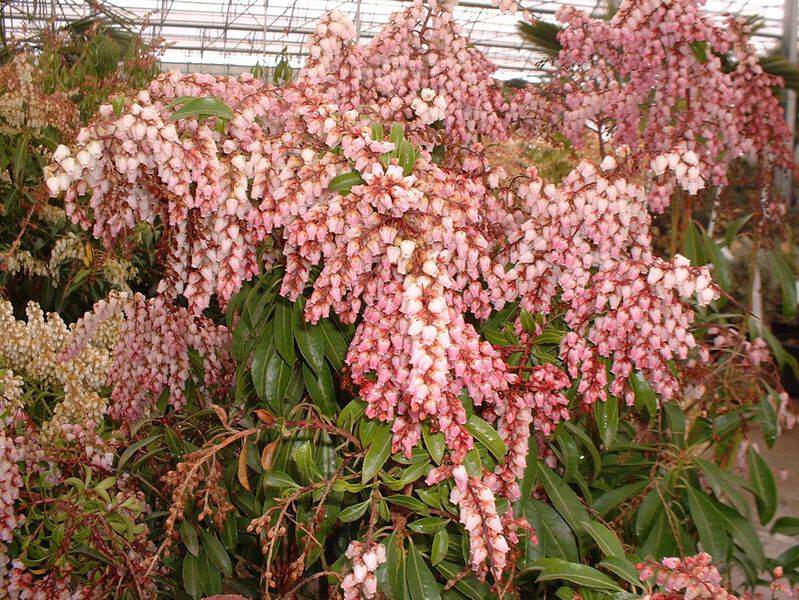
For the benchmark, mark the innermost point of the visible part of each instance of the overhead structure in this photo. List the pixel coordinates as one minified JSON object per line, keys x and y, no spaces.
{"x":235,"y":35}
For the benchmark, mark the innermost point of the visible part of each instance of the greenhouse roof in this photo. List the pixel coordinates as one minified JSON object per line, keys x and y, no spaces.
{"x":231,"y":35}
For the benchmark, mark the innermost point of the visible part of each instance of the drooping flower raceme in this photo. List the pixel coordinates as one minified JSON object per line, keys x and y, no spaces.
{"x":361,"y":583}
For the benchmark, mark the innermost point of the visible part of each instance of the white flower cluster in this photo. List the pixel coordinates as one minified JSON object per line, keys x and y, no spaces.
{"x":684,"y":279}
{"x":685,"y":165}
{"x":72,"y":167}
{"x":33,"y":349}
{"x":429,"y":106}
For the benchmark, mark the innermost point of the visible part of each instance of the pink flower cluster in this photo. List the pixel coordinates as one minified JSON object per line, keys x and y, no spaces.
{"x":587,"y":243}
{"x":10,"y":484}
{"x":673,"y":100}
{"x":361,"y":583}
{"x":691,"y":577}
{"x":488,"y":548}
{"x":152,"y":355}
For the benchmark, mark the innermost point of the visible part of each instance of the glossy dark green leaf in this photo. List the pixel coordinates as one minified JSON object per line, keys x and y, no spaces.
{"x":763,"y":485}
{"x":278,"y":479}
{"x":189,"y":536}
{"x":191,"y":576}
{"x":607,"y":420}
{"x":335,"y":343}
{"x":421,"y":583}
{"x":786,"y":526}
{"x":320,"y":388}
{"x":623,"y":568}
{"x":203,"y":107}
{"x":354,"y":512}
{"x":563,"y":498}
{"x":440,"y":546}
{"x":428,"y":524}
{"x":345,"y":182}
{"x":676,"y":420}
{"x":408,"y":502}
{"x":645,"y":396}
{"x":378,"y":452}
{"x":606,"y":539}
{"x":216,"y":552}
{"x":555,"y":538}
{"x":283,"y":331}
{"x":709,"y":523}
{"x":210,"y":577}
{"x":552,"y":569}
{"x":276,"y":379}
{"x":487,"y":435}
{"x":468,"y":586}
{"x":309,"y":339}
{"x":434,"y":442}
{"x":787,"y":281}
{"x":261,"y":357}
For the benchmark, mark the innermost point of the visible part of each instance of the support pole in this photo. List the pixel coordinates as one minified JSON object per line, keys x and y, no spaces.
{"x":790,"y":13}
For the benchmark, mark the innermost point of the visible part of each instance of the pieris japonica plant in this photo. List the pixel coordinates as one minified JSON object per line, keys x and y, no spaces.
{"x":421,"y":375}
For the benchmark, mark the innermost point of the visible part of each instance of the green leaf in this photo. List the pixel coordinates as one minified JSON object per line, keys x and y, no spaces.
{"x":189,"y":536}
{"x":210,"y":577}
{"x":763,"y":485}
{"x":611,"y":499}
{"x":645,"y":396}
{"x":408,"y":502}
{"x":354,"y":512}
{"x":320,"y":388}
{"x":276,"y":379}
{"x":692,"y":245}
{"x":283,"y":331}
{"x":699,"y":48}
{"x":767,"y":417}
{"x":786,"y":526}
{"x":309,"y":339}
{"x":558,"y":569}
{"x":278,"y":479}
{"x":676,"y":419}
{"x":607,"y":420}
{"x":440,"y":546}
{"x":335,"y":343}
{"x":428,"y":524}
{"x":723,"y":484}
{"x":563,"y":499}
{"x":203,"y":107}
{"x":555,"y":538}
{"x":378,"y":452}
{"x":787,"y":280}
{"x":261,"y":356}
{"x":487,"y":435}
{"x":623,"y":568}
{"x":434,"y":442}
{"x":135,"y":447}
{"x":394,"y":583}
{"x":743,"y":533}
{"x":421,"y":583}
{"x":216,"y":552}
{"x":191,"y":576}
{"x":733,"y":229}
{"x":607,"y":541}
{"x":345,"y":182}
{"x":721,"y":266}
{"x":709,"y":523}
{"x":580,"y":434}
